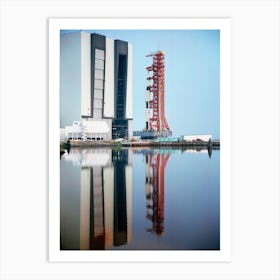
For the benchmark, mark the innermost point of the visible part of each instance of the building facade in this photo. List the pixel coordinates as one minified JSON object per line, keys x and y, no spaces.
{"x":96,"y":84}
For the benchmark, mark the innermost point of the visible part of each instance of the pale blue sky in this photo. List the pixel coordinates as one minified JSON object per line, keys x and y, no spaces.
{"x":192,"y":77}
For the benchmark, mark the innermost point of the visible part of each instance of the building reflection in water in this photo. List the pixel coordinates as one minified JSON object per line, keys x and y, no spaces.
{"x":105,"y":198}
{"x":155,"y":168}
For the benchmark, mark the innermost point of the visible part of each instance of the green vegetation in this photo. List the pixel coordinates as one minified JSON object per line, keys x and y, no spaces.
{"x":64,"y":145}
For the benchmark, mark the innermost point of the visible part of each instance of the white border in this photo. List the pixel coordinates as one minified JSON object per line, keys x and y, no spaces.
{"x":223,"y":255}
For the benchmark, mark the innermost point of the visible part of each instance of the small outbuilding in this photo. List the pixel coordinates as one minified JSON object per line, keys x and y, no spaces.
{"x":94,"y":130}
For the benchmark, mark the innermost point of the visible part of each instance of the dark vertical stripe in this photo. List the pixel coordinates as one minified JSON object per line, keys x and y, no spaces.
{"x":120,"y":124}
{"x":121,"y":62}
{"x":97,"y":42}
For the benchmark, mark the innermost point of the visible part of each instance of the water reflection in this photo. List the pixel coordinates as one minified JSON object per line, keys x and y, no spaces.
{"x":105,"y":199}
{"x":155,"y":167}
{"x":175,"y":199}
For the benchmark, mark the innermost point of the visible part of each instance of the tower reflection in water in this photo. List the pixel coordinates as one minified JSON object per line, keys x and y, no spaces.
{"x":155,"y":167}
{"x":105,"y":200}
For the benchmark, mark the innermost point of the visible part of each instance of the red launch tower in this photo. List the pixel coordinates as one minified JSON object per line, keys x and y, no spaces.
{"x":155,"y":115}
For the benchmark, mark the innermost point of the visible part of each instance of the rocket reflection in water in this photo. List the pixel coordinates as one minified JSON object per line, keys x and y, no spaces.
{"x":155,"y":167}
{"x":103,"y":201}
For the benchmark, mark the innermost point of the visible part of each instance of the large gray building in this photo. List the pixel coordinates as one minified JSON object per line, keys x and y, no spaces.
{"x":95,"y":85}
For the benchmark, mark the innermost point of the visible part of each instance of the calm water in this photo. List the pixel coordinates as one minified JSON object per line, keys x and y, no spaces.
{"x":140,"y":199}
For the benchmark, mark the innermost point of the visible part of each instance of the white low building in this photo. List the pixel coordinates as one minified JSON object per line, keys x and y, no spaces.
{"x":88,"y":130}
{"x":197,"y":138}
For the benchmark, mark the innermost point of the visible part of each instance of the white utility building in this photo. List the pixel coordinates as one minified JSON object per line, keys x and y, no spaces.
{"x":196,"y":138}
{"x":88,"y":130}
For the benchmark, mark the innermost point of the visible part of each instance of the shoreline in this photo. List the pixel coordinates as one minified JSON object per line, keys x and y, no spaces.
{"x":111,"y":144}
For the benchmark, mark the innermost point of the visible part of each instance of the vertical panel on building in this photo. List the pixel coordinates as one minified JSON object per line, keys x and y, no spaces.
{"x":129,"y":129}
{"x":129,"y":84}
{"x":120,"y":126}
{"x":70,"y":78}
{"x":85,"y":74}
{"x":85,"y":209}
{"x":98,"y":49}
{"x":121,"y":49}
{"x":109,"y":96}
{"x":98,"y":83}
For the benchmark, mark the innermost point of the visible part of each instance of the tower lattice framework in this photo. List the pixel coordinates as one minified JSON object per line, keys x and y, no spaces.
{"x":155,"y":95}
